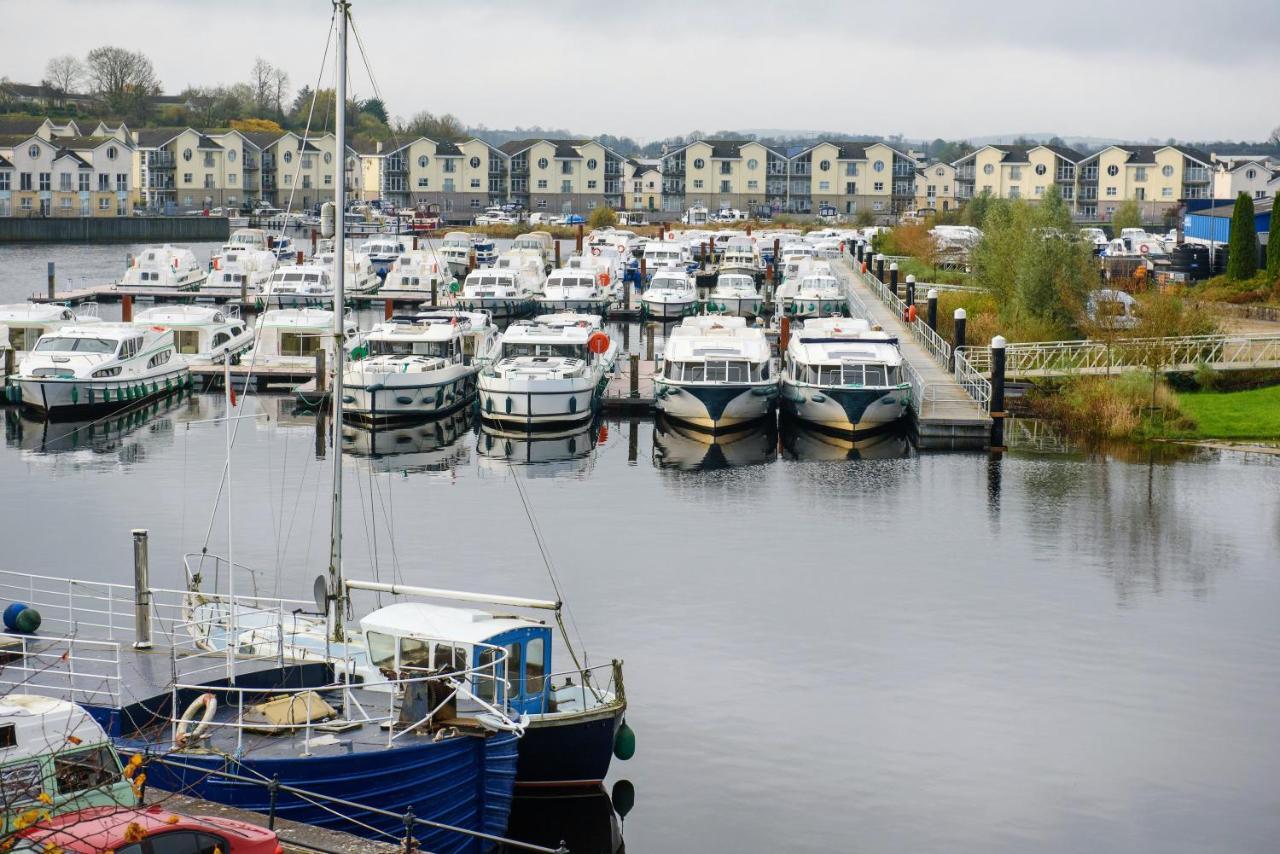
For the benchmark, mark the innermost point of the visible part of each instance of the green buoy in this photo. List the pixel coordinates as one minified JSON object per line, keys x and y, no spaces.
{"x":624,"y":743}
{"x":27,"y":621}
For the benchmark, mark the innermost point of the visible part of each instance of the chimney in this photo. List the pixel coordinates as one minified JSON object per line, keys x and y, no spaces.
{"x":377,"y":147}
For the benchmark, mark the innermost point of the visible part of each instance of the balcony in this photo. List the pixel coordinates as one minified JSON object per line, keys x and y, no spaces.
{"x":1065,"y":173}
{"x":1189,"y":192}
{"x":160,"y":160}
{"x":396,"y":166}
{"x":1196,"y":175}
{"x":268,"y":161}
{"x":904,"y":188}
{"x":966,"y":172}
{"x":612,"y":188}
{"x":802,"y":169}
{"x":1089,"y":173}
{"x":1088,"y":194}
{"x":250,"y":164}
{"x":964,"y":191}
{"x":157,"y":182}
{"x":676,"y":187}
{"x":903,"y":170}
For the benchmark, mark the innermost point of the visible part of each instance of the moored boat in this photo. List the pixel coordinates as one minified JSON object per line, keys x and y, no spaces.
{"x":202,"y":335}
{"x":164,"y":266}
{"x":573,"y":290}
{"x":671,"y":294}
{"x":735,"y":294}
{"x":716,"y":374}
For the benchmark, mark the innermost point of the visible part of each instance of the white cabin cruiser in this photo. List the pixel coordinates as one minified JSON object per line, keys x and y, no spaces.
{"x":550,"y":371}
{"x":22,"y":324}
{"x":202,"y":334}
{"x":247,"y":239}
{"x":291,"y":337}
{"x":844,"y":377}
{"x":817,"y":294}
{"x":419,"y":366}
{"x":574,"y":290}
{"x":359,"y":276}
{"x":539,"y":243}
{"x":608,"y":263}
{"x":502,"y":293}
{"x":736,"y":294}
{"x":383,"y":251}
{"x":100,"y":366}
{"x":716,"y":374}
{"x":668,"y":255}
{"x":299,"y":285}
{"x":458,"y":251}
{"x":742,"y":255}
{"x":165,"y":266}
{"x":246,"y":269}
{"x":420,"y":271}
{"x":671,"y":294}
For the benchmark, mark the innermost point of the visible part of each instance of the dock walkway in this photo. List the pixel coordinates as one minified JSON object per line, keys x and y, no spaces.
{"x":950,"y":408}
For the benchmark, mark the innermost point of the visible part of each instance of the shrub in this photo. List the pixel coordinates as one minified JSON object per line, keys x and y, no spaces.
{"x":602,"y":217}
{"x":1094,"y":407}
{"x":1127,"y":215}
{"x":1242,"y":244}
{"x":1273,"y":242}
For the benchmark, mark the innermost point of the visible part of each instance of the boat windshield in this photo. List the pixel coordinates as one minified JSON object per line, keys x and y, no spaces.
{"x":852,"y":375}
{"x":409,"y":348}
{"x":521,"y":348}
{"x":711,"y":371}
{"x":76,"y":345}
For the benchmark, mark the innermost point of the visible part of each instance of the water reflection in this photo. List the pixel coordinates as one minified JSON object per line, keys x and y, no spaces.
{"x":122,"y":438}
{"x":428,"y":446}
{"x":801,"y":442}
{"x":584,"y":820}
{"x":559,"y":453}
{"x":676,"y":446}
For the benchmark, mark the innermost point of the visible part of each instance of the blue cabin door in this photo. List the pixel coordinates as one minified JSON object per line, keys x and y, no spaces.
{"x":526,"y":668}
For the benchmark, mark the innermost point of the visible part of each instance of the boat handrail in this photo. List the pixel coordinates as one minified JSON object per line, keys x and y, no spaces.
{"x":70,"y":668}
{"x":589,"y":680}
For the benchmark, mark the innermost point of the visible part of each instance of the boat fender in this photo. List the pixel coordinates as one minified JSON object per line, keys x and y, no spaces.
{"x":623,"y":797}
{"x":75,"y":395}
{"x":624,"y":742}
{"x":819,"y":398}
{"x":186,"y":730}
{"x":404,"y":400}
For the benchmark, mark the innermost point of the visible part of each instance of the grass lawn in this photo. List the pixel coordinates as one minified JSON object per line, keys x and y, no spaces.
{"x":1253,"y":414}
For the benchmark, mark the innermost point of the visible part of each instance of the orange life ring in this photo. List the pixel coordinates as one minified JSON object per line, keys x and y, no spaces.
{"x":604,"y":278}
{"x":595,"y":250}
{"x":1144,"y":249}
{"x":598,"y":343}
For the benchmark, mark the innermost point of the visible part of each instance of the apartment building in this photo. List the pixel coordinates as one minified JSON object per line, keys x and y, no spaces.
{"x":1019,"y":172}
{"x":438,"y":176}
{"x":1158,"y":177}
{"x":59,"y":175}
{"x":724,"y":173}
{"x":831,"y":178}
{"x":1256,"y":177}
{"x":643,"y":184}
{"x":936,"y":187}
{"x":562,"y":176}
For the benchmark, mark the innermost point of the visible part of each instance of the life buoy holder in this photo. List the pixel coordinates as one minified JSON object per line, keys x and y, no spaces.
{"x":604,"y":279}
{"x":595,"y":250}
{"x":598,"y":343}
{"x":187,"y":726}
{"x":1144,"y":249}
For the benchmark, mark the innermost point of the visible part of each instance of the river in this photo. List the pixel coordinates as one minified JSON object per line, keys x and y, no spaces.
{"x":1051,"y":651}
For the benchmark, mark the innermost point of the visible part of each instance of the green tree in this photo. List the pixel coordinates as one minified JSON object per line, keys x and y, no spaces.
{"x":864,"y":218}
{"x":124,"y":81}
{"x":1273,"y":241}
{"x":602,"y":217}
{"x":1242,"y":243}
{"x":376,"y":108}
{"x":976,"y":210}
{"x":1127,"y":215}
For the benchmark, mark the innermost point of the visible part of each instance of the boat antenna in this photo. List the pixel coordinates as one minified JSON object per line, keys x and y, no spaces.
{"x":337,"y":591}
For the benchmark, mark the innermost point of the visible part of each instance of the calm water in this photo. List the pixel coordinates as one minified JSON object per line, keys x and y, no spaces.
{"x":895,"y":652}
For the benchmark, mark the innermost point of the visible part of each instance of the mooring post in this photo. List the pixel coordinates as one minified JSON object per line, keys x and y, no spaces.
{"x":435,"y":283}
{"x":388,"y":306}
{"x":644,"y":273}
{"x":415,"y":242}
{"x":911,"y":291}
{"x":706,"y":255}
{"x":557,"y":253}
{"x":635,"y":375}
{"x":880,"y":267}
{"x":9,"y":356}
{"x":313,"y":241}
{"x":626,"y":292}
{"x":997,"y":392}
{"x":126,"y":308}
{"x":857,"y":251}
{"x":648,"y":346}
{"x":931,"y":314}
{"x":957,"y":341}
{"x":322,"y":379}
{"x":577,"y":243}
{"x":471,"y":261}
{"x":273,"y":788}
{"x":893,"y":278}
{"x":141,"y":591}
{"x":51,"y":281}
{"x":633,"y":441}
{"x":410,"y":844}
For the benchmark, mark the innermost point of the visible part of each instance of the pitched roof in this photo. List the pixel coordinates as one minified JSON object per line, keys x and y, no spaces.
{"x":67,"y":152}
{"x":566,"y":149}
{"x":85,"y":143}
{"x":20,"y":124}
{"x":5,"y":164}
{"x":12,"y":140}
{"x":1064,"y":152}
{"x":260,"y":138}
{"x":156,"y":137}
{"x":447,"y":149}
{"x":1012,"y":153}
{"x":206,"y":142}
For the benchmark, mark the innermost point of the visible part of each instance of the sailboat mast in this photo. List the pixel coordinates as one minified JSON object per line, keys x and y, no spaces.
{"x":337,"y":595}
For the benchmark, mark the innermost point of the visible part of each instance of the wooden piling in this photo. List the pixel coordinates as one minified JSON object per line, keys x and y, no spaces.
{"x":635,"y":375}
{"x":126,"y":308}
{"x":322,"y":378}
{"x":415,"y":241}
{"x":300,"y":256}
{"x":388,"y":308}
{"x":557,"y":254}
{"x":313,"y":241}
{"x":435,"y":282}
{"x":52,"y":278}
{"x":578,"y":241}
{"x":9,"y":356}
{"x":650,"y":328}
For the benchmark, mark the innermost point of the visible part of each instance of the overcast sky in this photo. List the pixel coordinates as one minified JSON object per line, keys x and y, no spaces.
{"x":1173,"y":68}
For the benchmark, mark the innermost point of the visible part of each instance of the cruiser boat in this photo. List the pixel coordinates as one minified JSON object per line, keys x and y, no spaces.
{"x":538,"y":242}
{"x":419,"y":271}
{"x":844,"y":377}
{"x":742,"y":255}
{"x":486,"y":250}
{"x":22,"y":324}
{"x":164,"y":266}
{"x":457,"y":248}
{"x":58,"y":759}
{"x":503,"y":293}
{"x":532,"y":271}
{"x":608,"y":264}
{"x":670,"y":294}
{"x":202,"y":335}
{"x":817,"y":294}
{"x":100,"y":366}
{"x":247,"y":239}
{"x":735,"y":294}
{"x":550,"y":371}
{"x":244,"y":269}
{"x":418,"y":367}
{"x":284,"y":247}
{"x":291,"y":337}
{"x":668,"y":255}
{"x":382,"y":252}
{"x":299,"y":285}
{"x":573,"y":290}
{"x":716,"y":374}
{"x":359,"y":276}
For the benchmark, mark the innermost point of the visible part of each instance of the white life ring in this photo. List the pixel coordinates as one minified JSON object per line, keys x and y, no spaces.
{"x":1144,"y":249}
{"x":185,"y":729}
{"x":595,"y":250}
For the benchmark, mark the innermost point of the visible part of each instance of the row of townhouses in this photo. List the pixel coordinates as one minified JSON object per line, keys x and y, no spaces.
{"x":52,"y":169}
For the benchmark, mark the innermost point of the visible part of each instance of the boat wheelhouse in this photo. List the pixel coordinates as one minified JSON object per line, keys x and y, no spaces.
{"x":359,"y":276}
{"x":539,"y":243}
{"x":457,"y":248}
{"x":735,"y":294}
{"x":245,"y":269}
{"x":817,"y":294}
{"x":742,"y":255}
{"x":165,"y":266}
{"x":843,"y":376}
{"x":485,"y":248}
{"x":22,"y":324}
{"x":99,"y":367}
{"x":574,"y":290}
{"x":671,"y":294}
{"x":382,"y":251}
{"x":505,"y":293}
{"x":418,"y":367}
{"x":549,"y":372}
{"x":419,"y":271}
{"x":716,"y":374}
{"x":202,"y":334}
{"x":291,"y":337}
{"x":299,"y":285}
{"x":668,"y":255}
{"x":249,"y":239}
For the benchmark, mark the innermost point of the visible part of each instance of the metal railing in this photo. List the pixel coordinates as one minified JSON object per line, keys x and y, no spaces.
{"x":1064,"y":358}
{"x":974,"y":383}
{"x":69,"y":668}
{"x":939,"y":349}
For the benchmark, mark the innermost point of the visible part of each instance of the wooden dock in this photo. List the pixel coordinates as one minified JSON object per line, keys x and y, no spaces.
{"x":622,"y":396}
{"x":944,"y":413}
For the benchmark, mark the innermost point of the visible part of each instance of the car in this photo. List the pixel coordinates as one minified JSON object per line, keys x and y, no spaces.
{"x":151,"y":830}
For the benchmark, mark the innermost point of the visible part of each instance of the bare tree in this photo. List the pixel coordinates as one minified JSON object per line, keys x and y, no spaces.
{"x":1275,"y":135}
{"x":124,"y":80}
{"x":260,"y":81}
{"x":64,"y":74}
{"x":280,"y":89}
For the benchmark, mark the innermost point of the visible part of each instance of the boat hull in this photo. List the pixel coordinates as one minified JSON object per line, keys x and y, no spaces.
{"x":846,"y":411}
{"x":569,"y":750}
{"x":498,"y":307}
{"x":801,"y":307}
{"x":541,"y":404}
{"x":545,"y":305}
{"x":65,"y":397}
{"x":736,"y":306}
{"x":386,"y":398}
{"x":464,"y":782}
{"x":672,"y":310}
{"x":715,"y":407}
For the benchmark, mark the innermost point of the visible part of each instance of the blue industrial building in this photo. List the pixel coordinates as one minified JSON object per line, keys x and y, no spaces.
{"x":1213,"y":224}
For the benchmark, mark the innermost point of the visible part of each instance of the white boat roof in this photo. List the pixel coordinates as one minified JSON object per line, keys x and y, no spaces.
{"x":44,"y":725}
{"x":36,"y":312}
{"x":116,"y":330}
{"x":713,"y":336}
{"x":300,"y":317}
{"x":554,"y":328}
{"x":475,"y":318}
{"x":442,"y":622}
{"x":312,"y":267}
{"x":184,"y":315}
{"x":839,"y":339}
{"x":414,"y":330}
{"x":677,"y":275}
{"x":505,"y":273}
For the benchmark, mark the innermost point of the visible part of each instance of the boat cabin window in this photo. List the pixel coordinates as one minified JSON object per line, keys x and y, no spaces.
{"x":24,"y":337}
{"x":187,"y":340}
{"x":19,"y":783}
{"x":379,"y":347}
{"x":159,"y":358}
{"x":78,"y":770}
{"x":179,"y":842}
{"x":487,"y":675}
{"x":415,"y":653}
{"x":852,"y":375}
{"x":534,"y":669}
{"x":382,"y":650}
{"x":516,"y":348}
{"x":76,"y":345}
{"x":299,"y":344}
{"x":449,"y":657}
{"x":514,"y":668}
